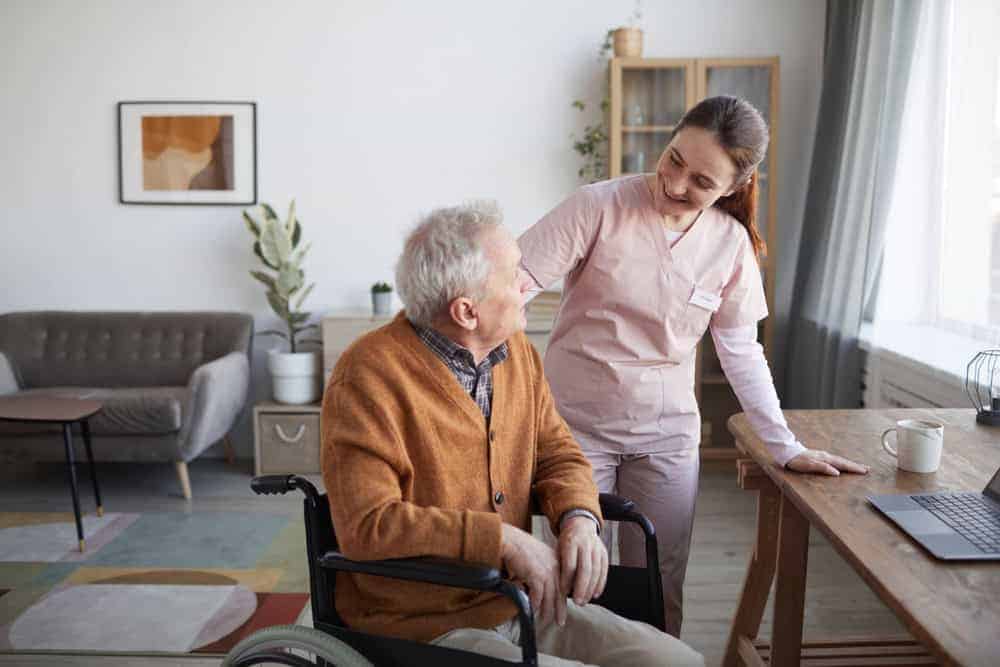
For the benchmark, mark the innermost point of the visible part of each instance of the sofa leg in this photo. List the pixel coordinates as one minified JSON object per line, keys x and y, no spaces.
{"x":182,"y":475}
{"x":227,"y":446}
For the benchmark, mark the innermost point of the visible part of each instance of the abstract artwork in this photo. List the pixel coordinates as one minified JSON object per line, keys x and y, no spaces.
{"x":187,"y":152}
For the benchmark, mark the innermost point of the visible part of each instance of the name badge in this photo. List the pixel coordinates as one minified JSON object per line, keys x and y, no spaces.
{"x":705,"y":299}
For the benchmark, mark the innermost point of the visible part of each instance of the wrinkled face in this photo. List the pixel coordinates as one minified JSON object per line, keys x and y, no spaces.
{"x":501,"y":312}
{"x":693,"y":172}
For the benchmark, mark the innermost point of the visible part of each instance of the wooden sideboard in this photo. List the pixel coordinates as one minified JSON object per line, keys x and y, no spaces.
{"x":342,"y":329}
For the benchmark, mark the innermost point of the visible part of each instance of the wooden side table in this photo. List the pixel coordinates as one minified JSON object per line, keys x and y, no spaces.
{"x":286,"y":438}
{"x":64,"y":411}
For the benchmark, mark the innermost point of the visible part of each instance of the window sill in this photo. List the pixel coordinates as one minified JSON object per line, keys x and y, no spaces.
{"x":924,"y":348}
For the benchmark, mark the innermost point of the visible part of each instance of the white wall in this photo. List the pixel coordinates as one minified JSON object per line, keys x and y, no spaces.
{"x":368,"y":114}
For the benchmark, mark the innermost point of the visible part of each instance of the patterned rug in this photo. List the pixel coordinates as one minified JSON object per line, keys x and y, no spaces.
{"x":157,"y":582}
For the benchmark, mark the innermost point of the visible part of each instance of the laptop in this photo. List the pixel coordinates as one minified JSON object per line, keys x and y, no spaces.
{"x":952,"y":526}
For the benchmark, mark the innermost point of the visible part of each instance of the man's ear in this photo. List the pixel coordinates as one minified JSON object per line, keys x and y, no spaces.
{"x":464,"y":312}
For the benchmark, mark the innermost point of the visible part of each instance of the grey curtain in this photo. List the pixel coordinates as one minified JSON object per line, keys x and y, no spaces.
{"x":868,"y":54}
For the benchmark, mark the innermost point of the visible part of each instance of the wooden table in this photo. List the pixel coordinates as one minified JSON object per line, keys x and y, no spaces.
{"x":952,"y":608}
{"x":64,"y":411}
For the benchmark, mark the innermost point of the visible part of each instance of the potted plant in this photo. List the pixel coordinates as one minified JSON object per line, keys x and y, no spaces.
{"x":381,"y":298}
{"x":296,"y":375}
{"x":628,"y":39}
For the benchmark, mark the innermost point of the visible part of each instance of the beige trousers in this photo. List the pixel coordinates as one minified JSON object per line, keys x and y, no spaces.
{"x":592,"y":636}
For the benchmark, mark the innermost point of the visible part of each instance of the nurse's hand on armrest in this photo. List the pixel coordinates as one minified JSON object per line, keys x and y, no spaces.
{"x":583,"y":560}
{"x":533,"y":563}
{"x":824,"y":463}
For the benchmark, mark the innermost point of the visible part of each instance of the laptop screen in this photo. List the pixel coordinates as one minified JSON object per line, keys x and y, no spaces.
{"x":993,"y":488}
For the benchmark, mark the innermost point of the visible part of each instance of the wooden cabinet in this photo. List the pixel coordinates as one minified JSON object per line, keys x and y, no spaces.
{"x":648,"y":98}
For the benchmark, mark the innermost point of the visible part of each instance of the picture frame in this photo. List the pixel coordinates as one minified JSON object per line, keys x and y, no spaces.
{"x":187,"y":153}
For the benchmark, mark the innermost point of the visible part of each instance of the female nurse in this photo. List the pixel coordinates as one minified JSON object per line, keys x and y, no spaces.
{"x":650,"y":262}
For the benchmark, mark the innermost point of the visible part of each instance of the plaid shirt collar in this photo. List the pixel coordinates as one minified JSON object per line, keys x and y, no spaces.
{"x":476,"y":380}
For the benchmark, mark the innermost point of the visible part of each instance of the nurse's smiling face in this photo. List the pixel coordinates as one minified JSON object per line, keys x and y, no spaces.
{"x":693,"y":172}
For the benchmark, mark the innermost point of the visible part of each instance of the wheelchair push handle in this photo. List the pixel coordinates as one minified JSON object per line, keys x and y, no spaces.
{"x":282,"y":484}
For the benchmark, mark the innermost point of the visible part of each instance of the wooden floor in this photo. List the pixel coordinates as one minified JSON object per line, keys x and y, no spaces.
{"x":838,"y":603}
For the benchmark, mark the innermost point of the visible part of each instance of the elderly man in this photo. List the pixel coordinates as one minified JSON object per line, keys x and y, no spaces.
{"x":437,"y":429}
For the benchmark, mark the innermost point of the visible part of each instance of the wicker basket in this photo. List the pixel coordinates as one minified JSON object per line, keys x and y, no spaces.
{"x":628,"y":42}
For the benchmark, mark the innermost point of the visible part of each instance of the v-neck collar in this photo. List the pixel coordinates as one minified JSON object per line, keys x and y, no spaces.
{"x":679,"y":250}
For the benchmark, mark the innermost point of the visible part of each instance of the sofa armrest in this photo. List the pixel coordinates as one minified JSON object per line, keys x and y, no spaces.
{"x":217,"y":392}
{"x":8,"y":378}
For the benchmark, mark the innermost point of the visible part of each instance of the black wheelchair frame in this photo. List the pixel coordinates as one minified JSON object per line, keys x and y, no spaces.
{"x":632,"y":592}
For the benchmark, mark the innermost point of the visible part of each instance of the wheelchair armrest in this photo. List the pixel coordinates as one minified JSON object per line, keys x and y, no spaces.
{"x":440,"y":571}
{"x":616,"y":508}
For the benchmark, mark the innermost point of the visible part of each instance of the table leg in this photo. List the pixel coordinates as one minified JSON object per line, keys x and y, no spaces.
{"x":85,"y":430}
{"x":790,"y":590}
{"x":68,"y":443}
{"x":760,"y":572}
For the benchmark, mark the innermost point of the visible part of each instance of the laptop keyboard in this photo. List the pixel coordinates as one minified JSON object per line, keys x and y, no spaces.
{"x":969,"y":514}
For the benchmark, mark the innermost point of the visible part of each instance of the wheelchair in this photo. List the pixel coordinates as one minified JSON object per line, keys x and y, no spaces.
{"x":631,"y":592}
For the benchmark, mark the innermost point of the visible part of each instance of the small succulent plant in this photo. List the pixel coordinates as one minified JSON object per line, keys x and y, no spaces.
{"x":378,"y":288}
{"x":277,"y":245}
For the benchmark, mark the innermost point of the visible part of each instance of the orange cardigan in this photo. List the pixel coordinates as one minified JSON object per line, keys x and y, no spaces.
{"x":410,"y":470}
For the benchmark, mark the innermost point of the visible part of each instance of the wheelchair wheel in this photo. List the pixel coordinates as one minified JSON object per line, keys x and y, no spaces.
{"x":295,"y":646}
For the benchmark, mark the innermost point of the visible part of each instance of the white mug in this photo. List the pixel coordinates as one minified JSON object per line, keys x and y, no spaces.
{"x":918,"y":444}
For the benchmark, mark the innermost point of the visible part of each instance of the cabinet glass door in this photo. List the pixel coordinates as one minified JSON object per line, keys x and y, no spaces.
{"x":756,"y":82}
{"x":649,"y":97}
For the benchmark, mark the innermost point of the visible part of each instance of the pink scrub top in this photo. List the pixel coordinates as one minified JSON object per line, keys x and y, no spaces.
{"x":621,"y":355}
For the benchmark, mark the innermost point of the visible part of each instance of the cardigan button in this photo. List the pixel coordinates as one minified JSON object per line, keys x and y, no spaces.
{"x":498,"y":498}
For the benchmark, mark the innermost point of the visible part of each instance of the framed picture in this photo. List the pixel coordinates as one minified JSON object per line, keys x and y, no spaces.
{"x":187,"y":153}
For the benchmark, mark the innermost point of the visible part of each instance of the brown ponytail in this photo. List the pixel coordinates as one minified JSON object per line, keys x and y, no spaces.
{"x":742,"y":205}
{"x":742,"y":132}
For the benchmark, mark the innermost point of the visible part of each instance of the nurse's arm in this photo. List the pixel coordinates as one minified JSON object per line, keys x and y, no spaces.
{"x":561,"y":240}
{"x":743,"y":362}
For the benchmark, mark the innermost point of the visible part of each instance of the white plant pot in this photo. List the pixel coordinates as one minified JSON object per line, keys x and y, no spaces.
{"x":295,"y":378}
{"x":381,"y":303}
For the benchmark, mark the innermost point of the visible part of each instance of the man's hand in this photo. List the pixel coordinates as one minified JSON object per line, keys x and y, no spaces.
{"x":583,"y":560}
{"x":534,"y":563}
{"x":824,"y":463}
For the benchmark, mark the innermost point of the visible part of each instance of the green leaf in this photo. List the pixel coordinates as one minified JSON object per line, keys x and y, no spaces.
{"x":298,"y":318}
{"x":274,"y":243}
{"x":317,"y":341}
{"x":264,"y":278}
{"x":296,"y":234}
{"x":278,"y":305}
{"x":302,"y":297}
{"x":300,"y":254}
{"x":291,"y":222}
{"x":307,"y":327}
{"x":272,"y":332}
{"x":577,"y":104}
{"x":269,"y":213}
{"x":251,"y":225}
{"x":289,"y":280}
{"x":257,"y":251}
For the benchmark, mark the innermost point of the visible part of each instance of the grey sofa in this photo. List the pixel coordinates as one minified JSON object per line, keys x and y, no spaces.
{"x":172,"y":383}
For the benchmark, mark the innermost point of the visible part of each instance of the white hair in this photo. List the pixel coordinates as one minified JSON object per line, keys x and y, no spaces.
{"x":443,"y":258}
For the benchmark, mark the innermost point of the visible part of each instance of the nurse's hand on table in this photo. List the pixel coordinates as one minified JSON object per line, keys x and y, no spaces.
{"x":583,"y":560}
{"x":824,"y":463}
{"x":531,"y":562}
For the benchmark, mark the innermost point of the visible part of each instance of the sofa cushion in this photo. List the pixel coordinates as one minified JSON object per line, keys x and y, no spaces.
{"x":126,"y":411}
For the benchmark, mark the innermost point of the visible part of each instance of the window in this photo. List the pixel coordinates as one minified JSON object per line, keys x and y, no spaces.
{"x":941,"y":263}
